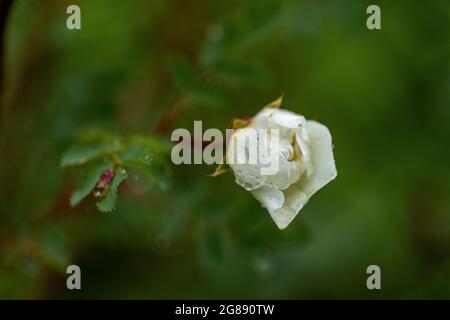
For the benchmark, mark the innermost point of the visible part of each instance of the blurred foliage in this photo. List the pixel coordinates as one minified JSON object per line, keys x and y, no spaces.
{"x":107,"y":158}
{"x":107,"y":97}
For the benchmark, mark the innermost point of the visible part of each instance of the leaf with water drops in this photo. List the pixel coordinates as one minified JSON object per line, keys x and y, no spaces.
{"x":148,"y":156}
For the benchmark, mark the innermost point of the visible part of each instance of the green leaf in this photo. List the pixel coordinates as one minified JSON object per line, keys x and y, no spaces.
{"x":149,"y":156}
{"x":153,"y":144}
{"x":140,"y":150}
{"x":89,"y":181}
{"x":81,"y":154}
{"x":108,"y":203}
{"x":91,"y":144}
{"x":157,"y":174}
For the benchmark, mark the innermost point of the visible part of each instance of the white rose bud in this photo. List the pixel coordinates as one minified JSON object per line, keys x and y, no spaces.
{"x":305,"y":161}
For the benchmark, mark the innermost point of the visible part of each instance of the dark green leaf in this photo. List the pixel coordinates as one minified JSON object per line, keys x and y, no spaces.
{"x":149,"y":156}
{"x":81,"y":154}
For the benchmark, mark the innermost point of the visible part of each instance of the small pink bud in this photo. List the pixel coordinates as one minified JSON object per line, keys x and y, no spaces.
{"x":104,"y":181}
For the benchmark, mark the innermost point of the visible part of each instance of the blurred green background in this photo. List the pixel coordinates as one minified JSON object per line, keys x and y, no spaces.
{"x":384,"y":94}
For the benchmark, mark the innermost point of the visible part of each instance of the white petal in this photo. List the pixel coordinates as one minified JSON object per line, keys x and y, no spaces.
{"x":302,"y":139}
{"x":322,"y":159}
{"x":269,"y":196}
{"x":261,"y":119}
{"x":287,"y":119}
{"x":297,"y":195}
{"x":288,"y":173}
{"x":295,"y":200}
{"x":282,"y":206}
{"x":247,"y":175}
